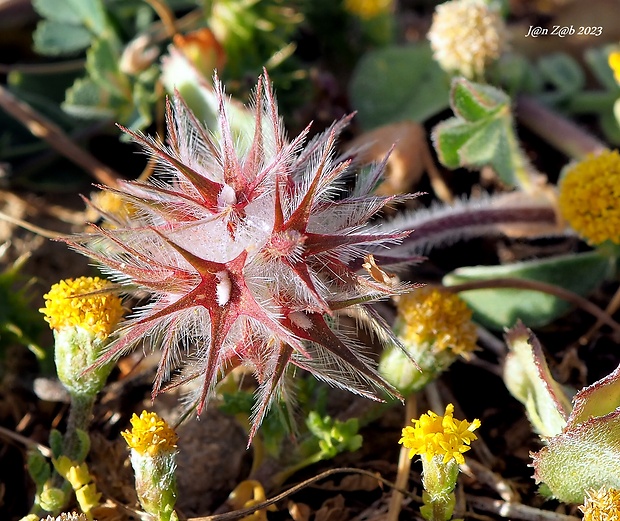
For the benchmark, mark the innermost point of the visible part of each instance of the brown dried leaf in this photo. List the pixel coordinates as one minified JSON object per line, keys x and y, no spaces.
{"x":333,"y":509}
{"x":299,"y":511}
{"x":408,"y":161}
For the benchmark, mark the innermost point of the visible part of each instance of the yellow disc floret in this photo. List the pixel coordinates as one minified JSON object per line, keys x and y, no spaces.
{"x":368,"y":9}
{"x":601,"y":505}
{"x":590,"y":197}
{"x":466,"y":36}
{"x":443,"y":436}
{"x":79,"y":303}
{"x":150,"y":435}
{"x":439,"y":318}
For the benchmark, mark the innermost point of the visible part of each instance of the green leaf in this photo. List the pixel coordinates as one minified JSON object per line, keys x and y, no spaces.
{"x":492,"y":144}
{"x":610,"y":124}
{"x":102,"y":61}
{"x":528,"y":378}
{"x":449,"y":136}
{"x":482,"y":133}
{"x":19,"y":322}
{"x":598,"y":399}
{"x":90,"y":14}
{"x":56,"y":442}
{"x":582,"y":458}
{"x":598,"y":61}
{"x":500,"y":308}
{"x":59,"y":38}
{"x":476,"y":104}
{"x":38,"y":467}
{"x":516,"y":74}
{"x":51,"y":86}
{"x":83,"y":447}
{"x":334,"y":436}
{"x":58,"y":11}
{"x":397,"y":83}
{"x":563,"y":73}
{"x":85,"y":99}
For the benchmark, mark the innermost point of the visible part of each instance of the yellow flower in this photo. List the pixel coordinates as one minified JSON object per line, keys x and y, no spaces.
{"x":601,"y":505}
{"x":589,"y":197}
{"x":466,"y":36}
{"x":438,"y":318}
{"x":150,"y":435}
{"x":614,"y":63}
{"x":367,"y":9}
{"x":443,"y":436}
{"x":76,"y":303}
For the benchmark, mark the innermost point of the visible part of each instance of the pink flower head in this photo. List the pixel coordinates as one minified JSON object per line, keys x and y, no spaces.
{"x":248,"y":252}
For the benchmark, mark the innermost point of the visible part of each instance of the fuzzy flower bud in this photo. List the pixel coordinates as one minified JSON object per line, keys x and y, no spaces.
{"x":601,"y":505}
{"x":82,"y":316}
{"x":590,"y":197}
{"x":153,"y":458}
{"x":435,"y":328}
{"x":249,"y":248}
{"x":441,"y":440}
{"x":467,"y":36}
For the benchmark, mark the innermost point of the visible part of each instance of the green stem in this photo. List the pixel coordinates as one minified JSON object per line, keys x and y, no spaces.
{"x":279,"y":478}
{"x":524,"y":173}
{"x":592,"y":102}
{"x":80,"y":413}
{"x":557,"y":130}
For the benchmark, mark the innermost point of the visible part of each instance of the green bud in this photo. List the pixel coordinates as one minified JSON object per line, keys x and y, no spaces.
{"x":76,"y":350}
{"x":52,"y":499}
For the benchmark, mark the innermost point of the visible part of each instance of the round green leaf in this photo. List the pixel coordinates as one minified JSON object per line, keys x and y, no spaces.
{"x":59,"y":38}
{"x":397,"y":83}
